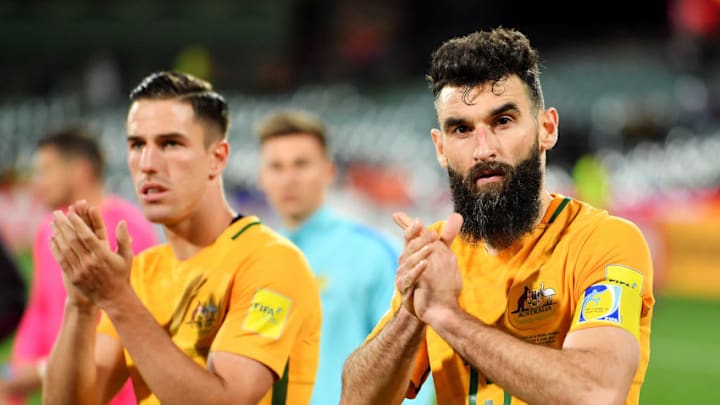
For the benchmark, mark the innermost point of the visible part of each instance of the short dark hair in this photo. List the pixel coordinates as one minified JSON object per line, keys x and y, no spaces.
{"x":292,"y":122}
{"x":485,"y":56}
{"x":206,"y":103}
{"x":76,"y":143}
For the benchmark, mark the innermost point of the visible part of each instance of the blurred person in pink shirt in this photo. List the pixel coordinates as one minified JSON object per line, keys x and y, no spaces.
{"x":68,"y":167}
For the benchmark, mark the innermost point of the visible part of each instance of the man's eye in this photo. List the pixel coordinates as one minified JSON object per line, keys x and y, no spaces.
{"x":461,"y":129}
{"x":504,"y":120}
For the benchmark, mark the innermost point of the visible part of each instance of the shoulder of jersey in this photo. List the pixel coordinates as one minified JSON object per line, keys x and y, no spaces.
{"x":256,"y":238}
{"x":254,"y":233}
{"x":591,"y":220}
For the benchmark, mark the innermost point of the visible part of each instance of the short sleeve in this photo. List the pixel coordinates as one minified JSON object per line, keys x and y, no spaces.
{"x":613,"y":278}
{"x":35,"y":335}
{"x":273,"y":298}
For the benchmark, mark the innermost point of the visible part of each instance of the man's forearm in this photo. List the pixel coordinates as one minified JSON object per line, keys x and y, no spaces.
{"x":171,"y":375}
{"x":536,"y":374}
{"x":71,"y":371}
{"x":379,"y":371}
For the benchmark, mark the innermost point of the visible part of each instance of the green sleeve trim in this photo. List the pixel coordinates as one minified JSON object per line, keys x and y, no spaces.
{"x":280,"y":388}
{"x":473,"y":389}
{"x":507,"y":398}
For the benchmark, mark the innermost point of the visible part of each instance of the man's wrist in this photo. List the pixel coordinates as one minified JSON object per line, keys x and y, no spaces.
{"x":120,"y":303}
{"x":88,"y":308}
{"x":440,"y":317}
{"x":409,"y":319}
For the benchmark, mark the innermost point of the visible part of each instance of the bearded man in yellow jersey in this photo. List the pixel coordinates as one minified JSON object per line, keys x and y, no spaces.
{"x":226,"y":312}
{"x":521,"y":296}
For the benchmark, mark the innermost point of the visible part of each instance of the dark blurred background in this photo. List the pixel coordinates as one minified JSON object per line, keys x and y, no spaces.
{"x":276,"y":45}
{"x":620,"y":72}
{"x":637,"y":85}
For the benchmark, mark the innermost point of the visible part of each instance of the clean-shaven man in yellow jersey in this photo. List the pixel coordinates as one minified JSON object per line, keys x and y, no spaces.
{"x":521,"y":296}
{"x":227,"y":312}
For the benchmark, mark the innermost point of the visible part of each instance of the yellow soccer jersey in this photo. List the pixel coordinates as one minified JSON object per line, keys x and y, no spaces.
{"x":250,"y":293}
{"x":579,"y":268}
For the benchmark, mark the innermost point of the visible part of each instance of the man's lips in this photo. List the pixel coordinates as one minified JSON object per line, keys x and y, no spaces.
{"x":489,"y":179}
{"x":488,"y":176}
{"x":152,"y":191}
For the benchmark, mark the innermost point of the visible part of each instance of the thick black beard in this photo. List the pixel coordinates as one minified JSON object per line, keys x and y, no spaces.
{"x":499,"y":214}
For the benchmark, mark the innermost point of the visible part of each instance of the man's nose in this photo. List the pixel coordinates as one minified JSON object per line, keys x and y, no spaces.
{"x":148,"y":159}
{"x":485,"y":146}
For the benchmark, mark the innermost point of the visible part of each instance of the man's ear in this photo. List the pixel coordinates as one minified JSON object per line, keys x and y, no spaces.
{"x":219,"y":151}
{"x":439,"y":147}
{"x":549,"y":122}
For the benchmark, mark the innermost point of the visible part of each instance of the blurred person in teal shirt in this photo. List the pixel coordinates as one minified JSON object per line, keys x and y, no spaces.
{"x":354,"y":265}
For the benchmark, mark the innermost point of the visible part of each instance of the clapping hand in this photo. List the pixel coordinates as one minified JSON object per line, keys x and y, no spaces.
{"x":428,"y":277}
{"x":92,"y":272}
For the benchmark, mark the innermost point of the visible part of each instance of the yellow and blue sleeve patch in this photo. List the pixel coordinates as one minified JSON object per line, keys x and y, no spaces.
{"x":268,"y":313}
{"x":615,"y":301}
{"x":625,"y":276}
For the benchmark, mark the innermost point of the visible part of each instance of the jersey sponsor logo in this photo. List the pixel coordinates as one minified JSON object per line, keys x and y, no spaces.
{"x":184,"y":304}
{"x":624,"y":276}
{"x":533,"y":303}
{"x":267,"y":314}
{"x":601,"y":303}
{"x":205,"y":315}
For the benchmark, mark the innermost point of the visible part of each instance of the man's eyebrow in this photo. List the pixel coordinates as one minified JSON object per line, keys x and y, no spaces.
{"x":507,"y":107}
{"x":453,"y":122}
{"x":169,"y":135}
{"x":510,"y":106}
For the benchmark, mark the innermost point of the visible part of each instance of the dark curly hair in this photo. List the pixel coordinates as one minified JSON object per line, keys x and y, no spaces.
{"x":486,"y":56}
{"x":206,"y":103}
